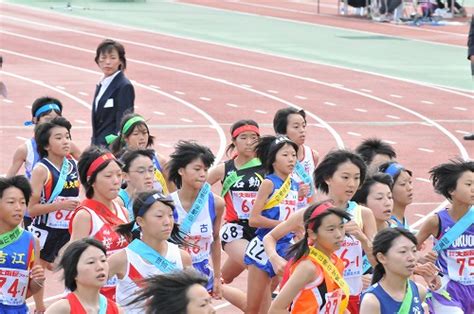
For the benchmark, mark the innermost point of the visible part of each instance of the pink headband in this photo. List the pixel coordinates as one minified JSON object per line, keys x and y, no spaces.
{"x":321,"y":208}
{"x":245,"y":128}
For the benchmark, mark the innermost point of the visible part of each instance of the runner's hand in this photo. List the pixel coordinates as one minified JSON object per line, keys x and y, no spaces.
{"x":278,"y":264}
{"x":217,"y":289}
{"x":68,"y":204}
{"x":303,"y":190}
{"x":354,"y":230}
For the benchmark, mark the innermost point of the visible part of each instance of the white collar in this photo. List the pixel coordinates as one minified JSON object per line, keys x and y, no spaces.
{"x":107,"y":80}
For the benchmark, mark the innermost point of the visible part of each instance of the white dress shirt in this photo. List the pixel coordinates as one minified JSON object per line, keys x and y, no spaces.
{"x":104,"y":84}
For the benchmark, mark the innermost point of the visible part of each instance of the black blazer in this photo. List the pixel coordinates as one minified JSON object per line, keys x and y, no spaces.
{"x":118,"y":98}
{"x":470,"y":41}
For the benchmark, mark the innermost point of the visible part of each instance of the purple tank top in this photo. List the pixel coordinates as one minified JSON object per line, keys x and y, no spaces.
{"x":457,"y":261}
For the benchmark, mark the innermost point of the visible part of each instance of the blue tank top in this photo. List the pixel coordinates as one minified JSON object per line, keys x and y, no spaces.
{"x":16,"y":260}
{"x":282,"y":211}
{"x":128,"y":202}
{"x":389,"y":306}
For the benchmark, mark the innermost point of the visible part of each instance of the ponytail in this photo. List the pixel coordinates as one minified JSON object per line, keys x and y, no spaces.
{"x":299,"y":249}
{"x":378,"y":273}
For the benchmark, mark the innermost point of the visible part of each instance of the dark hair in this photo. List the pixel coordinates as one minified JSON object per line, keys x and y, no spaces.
{"x":267,"y":148}
{"x":360,"y":197}
{"x":234,"y":127}
{"x":129,"y":155}
{"x":280,"y":120}
{"x":140,"y":204}
{"x":301,"y":248}
{"x":383,"y":242}
{"x":383,"y":167}
{"x":107,"y":46}
{"x":370,"y":147}
{"x":40,"y":102}
{"x":445,"y":176}
{"x":185,"y":153}
{"x":88,"y":156}
{"x":20,"y":182}
{"x":119,"y":143}
{"x":71,"y":256}
{"x":331,"y":162}
{"x":43,"y":133}
{"x":167,"y":293}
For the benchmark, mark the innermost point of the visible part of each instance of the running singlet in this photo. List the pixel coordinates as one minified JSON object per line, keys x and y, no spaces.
{"x":322,"y":295}
{"x":201,"y":233}
{"x":59,"y":219}
{"x":351,"y":253}
{"x":16,"y":261}
{"x":240,"y":198}
{"x":77,"y":308}
{"x":457,"y":261}
{"x":137,"y":270}
{"x":389,"y":305}
{"x":309,"y":166}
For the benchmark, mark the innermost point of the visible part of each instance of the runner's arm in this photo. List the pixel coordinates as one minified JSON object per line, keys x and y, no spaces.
{"x":186,"y":259}
{"x":75,"y":151}
{"x":256,"y":219}
{"x":370,"y":304}
{"x":38,"y":179}
{"x":370,"y":230}
{"x":118,"y":264}
{"x":36,"y":273}
{"x":428,"y":228}
{"x":17,"y":161}
{"x":216,"y":246}
{"x":216,"y":174}
{"x":59,"y":307}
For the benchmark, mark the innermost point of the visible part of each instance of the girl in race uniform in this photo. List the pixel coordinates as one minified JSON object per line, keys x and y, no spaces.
{"x":199,"y":211}
{"x":138,"y":172}
{"x":454,"y":237}
{"x":275,"y":202}
{"x":18,"y":248}
{"x":339,"y":175}
{"x":315,"y":283}
{"x":241,"y":177}
{"x":98,"y":215}
{"x":178,"y":292}
{"x":402,"y":191}
{"x":134,"y":134}
{"x":150,"y":255}
{"x":392,"y":291}
{"x":85,"y":267}
{"x":292,"y":123}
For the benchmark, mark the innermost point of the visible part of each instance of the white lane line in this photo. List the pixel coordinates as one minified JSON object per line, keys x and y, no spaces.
{"x":223,"y":305}
{"x":419,"y":215}
{"x":392,"y":117}
{"x":390,"y":142}
{"x":366,"y":90}
{"x":60,"y":87}
{"x":165,"y":145}
{"x":246,"y":85}
{"x":462,"y":132}
{"x":271,"y":91}
{"x":28,"y":106}
{"x":427,"y":102}
{"x":337,"y":85}
{"x":396,"y":96}
{"x":232,"y":105}
{"x":360,"y":110}
{"x":426,"y":150}
{"x":159,"y":113}
{"x":177,"y":92}
{"x":260,"y":111}
{"x":205,"y":98}
{"x":330,"y":103}
{"x":54,"y":297}
{"x":8,"y":101}
{"x":423,"y":180}
{"x":83,"y":93}
{"x":301,"y":97}
{"x":154,"y":86}
{"x":186,"y":120}
{"x":318,"y":125}
{"x":21,"y":138}
{"x":422,"y":220}
{"x":460,"y":108}
{"x":80,"y":121}
{"x":354,"y":133}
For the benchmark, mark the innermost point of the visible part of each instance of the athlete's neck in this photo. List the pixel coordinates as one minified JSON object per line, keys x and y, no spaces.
{"x":381,"y":224}
{"x":241,"y":160}
{"x":281,"y":175}
{"x":326,"y":252}
{"x":107,"y":202}
{"x":458,"y":209}
{"x":89,"y":298}
{"x":4,"y":228}
{"x":395,"y":285}
{"x":56,"y":160}
{"x":399,"y":211}
{"x":159,"y":245}
{"x":187,"y":195}
{"x":338,"y":202}
{"x":300,"y":153}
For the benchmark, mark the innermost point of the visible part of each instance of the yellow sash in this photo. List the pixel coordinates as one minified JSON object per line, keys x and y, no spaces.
{"x":332,"y":271}
{"x":279,"y":194}
{"x":161,"y":179}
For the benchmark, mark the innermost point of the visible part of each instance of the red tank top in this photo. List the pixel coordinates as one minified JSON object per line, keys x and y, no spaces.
{"x":77,"y":308}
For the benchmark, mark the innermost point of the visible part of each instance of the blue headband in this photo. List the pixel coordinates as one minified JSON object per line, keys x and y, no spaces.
{"x":394,"y":169}
{"x":43,"y":109}
{"x":149,"y":201}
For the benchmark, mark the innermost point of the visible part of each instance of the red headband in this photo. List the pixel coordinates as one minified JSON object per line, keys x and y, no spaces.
{"x":245,"y":128}
{"x":98,"y":162}
{"x":321,"y":208}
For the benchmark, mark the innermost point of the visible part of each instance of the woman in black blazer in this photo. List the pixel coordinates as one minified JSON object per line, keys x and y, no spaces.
{"x":114,"y":95}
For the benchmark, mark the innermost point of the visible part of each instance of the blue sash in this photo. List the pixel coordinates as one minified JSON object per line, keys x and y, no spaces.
{"x":58,"y":188}
{"x":398,"y":223}
{"x":459,"y":227}
{"x":156,"y":163}
{"x":127,"y":201}
{"x":196,"y":209}
{"x":299,"y":169}
{"x":151,"y":256}
{"x":102,"y":304}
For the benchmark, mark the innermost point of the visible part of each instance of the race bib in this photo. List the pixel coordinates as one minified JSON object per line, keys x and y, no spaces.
{"x":41,"y":234}
{"x":231,"y":232}
{"x":243,"y":203}
{"x":351,"y":254}
{"x":60,"y":219}
{"x":256,"y":251}
{"x":13,"y":286}
{"x":200,"y":249}
{"x":288,"y":205}
{"x":461,"y":265}
{"x":333,"y":300}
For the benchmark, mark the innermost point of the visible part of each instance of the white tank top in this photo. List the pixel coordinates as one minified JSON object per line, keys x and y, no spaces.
{"x":137,"y":270}
{"x":309,"y":166}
